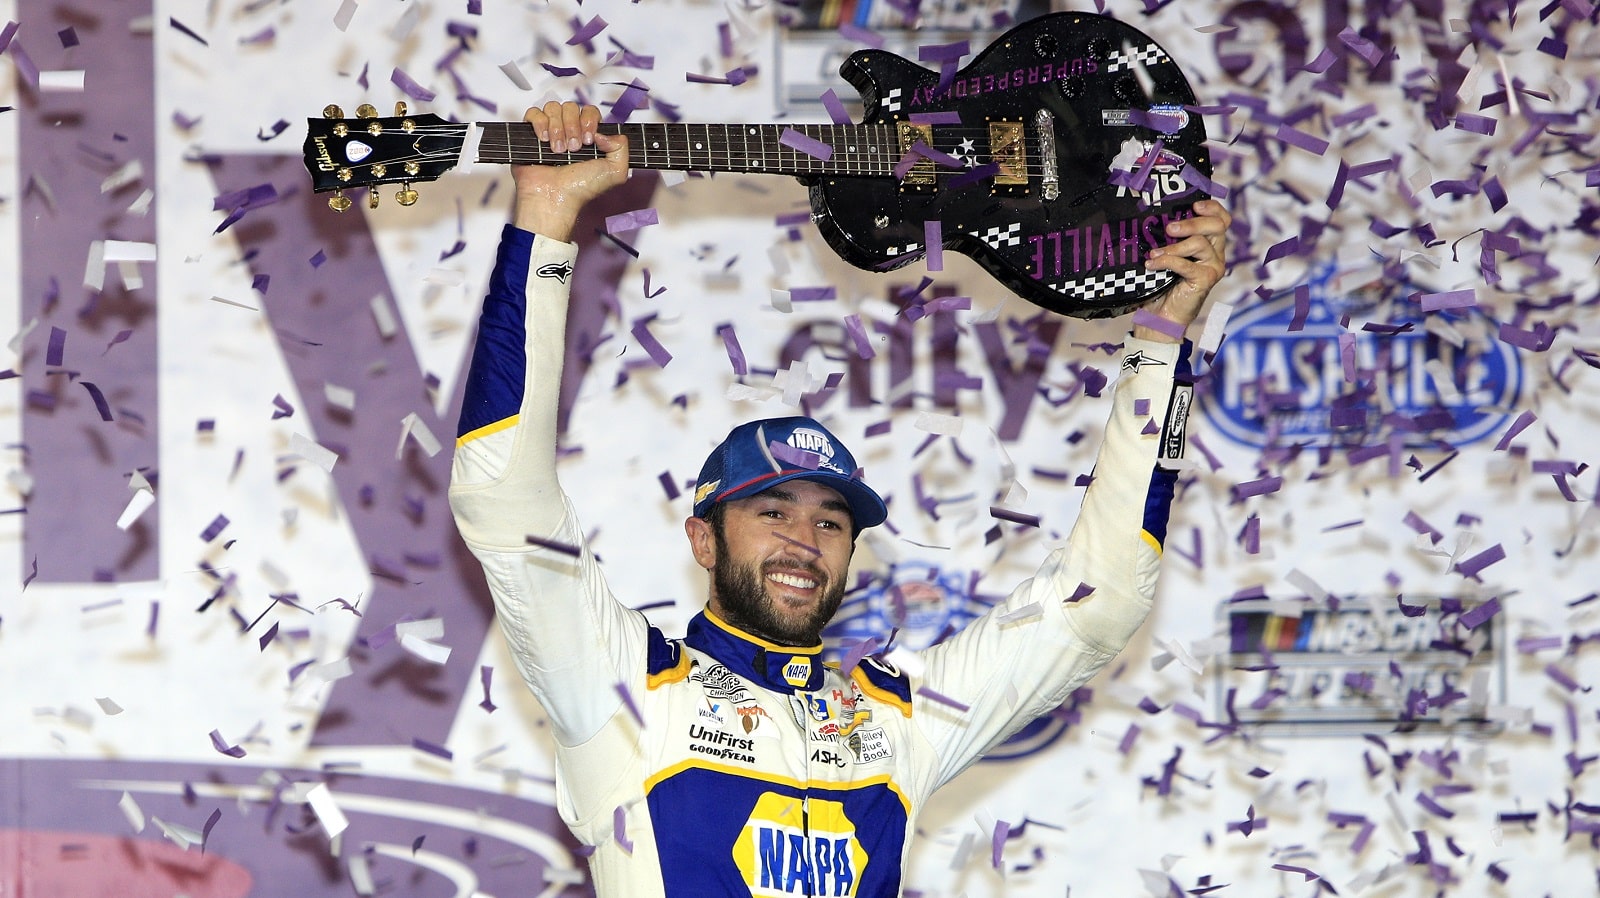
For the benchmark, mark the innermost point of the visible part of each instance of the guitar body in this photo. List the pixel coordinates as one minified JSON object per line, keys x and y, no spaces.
{"x":1075,"y":247}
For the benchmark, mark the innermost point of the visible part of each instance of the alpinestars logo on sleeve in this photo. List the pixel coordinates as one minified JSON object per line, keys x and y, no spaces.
{"x":558,"y":270}
{"x":1136,"y":359}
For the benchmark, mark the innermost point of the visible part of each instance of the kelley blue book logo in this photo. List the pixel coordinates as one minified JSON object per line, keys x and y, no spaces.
{"x":1276,"y":386}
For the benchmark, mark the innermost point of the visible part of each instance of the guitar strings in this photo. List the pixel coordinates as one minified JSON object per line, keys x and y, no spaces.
{"x":522,"y":150}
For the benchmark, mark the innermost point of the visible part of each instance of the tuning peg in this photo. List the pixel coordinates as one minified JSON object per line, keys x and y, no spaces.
{"x":399,"y":108}
{"x":339,"y":202}
{"x":332,"y":111}
{"x":372,"y":197}
{"x":366,"y":110}
{"x":406,"y":196}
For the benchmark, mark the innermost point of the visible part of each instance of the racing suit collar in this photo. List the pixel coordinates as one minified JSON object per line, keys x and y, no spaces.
{"x":780,"y":668}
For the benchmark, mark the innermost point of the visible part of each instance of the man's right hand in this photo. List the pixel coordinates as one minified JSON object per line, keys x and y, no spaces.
{"x":549,"y":197}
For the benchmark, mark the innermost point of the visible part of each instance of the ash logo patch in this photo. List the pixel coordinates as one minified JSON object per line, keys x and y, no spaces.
{"x":720,"y":682}
{"x":557,"y":270}
{"x":868,"y":744}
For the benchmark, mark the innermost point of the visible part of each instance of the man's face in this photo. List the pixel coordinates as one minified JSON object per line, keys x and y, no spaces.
{"x":779,"y":561}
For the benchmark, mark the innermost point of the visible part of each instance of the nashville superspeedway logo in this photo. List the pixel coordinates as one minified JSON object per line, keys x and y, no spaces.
{"x":781,"y":852}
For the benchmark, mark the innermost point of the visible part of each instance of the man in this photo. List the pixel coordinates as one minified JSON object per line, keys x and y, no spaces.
{"x":732,"y":761}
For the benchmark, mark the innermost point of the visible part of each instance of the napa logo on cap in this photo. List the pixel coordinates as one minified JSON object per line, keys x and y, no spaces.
{"x":797,"y":672}
{"x":782,"y":853}
{"x":1277,"y":385}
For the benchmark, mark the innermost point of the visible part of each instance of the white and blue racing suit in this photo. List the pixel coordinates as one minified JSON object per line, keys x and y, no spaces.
{"x":736,"y":766}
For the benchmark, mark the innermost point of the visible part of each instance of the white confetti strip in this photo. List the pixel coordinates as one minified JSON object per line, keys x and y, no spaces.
{"x":327,"y":810}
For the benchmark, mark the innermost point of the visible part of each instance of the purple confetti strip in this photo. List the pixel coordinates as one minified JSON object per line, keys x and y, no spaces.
{"x":997,"y":842}
{"x":214,"y":529}
{"x":554,"y":545}
{"x":186,"y":30}
{"x":205,"y":831}
{"x":267,"y":637}
{"x":619,"y":828}
{"x":431,"y":748}
{"x":485,"y":675}
{"x":1528,"y":645}
{"x":789,"y":455}
{"x":1564,"y":679}
{"x":809,"y":145}
{"x":942,"y":699}
{"x":730,"y":342}
{"x":1476,"y":124}
{"x":99,"y":398}
{"x":410,"y":87}
{"x":668,"y":486}
{"x":1257,"y":487}
{"x":858,"y":336}
{"x":836,"y":111}
{"x":1015,"y":517}
{"x":813,"y":294}
{"x":587,"y":32}
{"x":1517,"y":426}
{"x":1146,"y":318}
{"x":56,"y":349}
{"x":1297,"y":138}
{"x":1128,"y":738}
{"x":1454,"y":299}
{"x":1364,"y":48}
{"x":222,"y":746}
{"x":857,"y":36}
{"x":627,"y":699}
{"x":641,"y":333}
{"x":631,"y":221}
{"x":933,"y":239}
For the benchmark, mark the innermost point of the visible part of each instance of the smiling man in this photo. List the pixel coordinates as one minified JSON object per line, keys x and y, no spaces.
{"x":732,"y":761}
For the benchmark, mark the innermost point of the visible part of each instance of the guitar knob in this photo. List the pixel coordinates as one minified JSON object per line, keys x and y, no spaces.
{"x":399,"y":108}
{"x":406,"y":196}
{"x":332,"y":111}
{"x":339,"y":202}
{"x":366,"y":110}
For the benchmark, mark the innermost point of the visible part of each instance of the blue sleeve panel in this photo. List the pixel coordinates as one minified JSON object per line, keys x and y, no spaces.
{"x":495,"y":379}
{"x":1164,"y":481}
{"x":1158,"y":503}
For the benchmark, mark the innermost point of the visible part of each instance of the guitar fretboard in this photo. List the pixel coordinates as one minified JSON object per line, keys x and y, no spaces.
{"x":863,"y":150}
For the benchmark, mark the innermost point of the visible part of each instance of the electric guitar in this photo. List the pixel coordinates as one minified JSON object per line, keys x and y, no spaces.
{"x":1053,"y":160}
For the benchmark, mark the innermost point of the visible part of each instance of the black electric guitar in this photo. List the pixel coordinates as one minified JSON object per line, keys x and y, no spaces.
{"x":1053,"y":160}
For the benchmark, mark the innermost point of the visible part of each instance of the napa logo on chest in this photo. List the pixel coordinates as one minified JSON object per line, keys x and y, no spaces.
{"x":784,"y":850}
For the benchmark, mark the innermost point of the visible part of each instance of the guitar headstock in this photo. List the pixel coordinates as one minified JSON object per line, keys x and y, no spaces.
{"x":367,"y":151}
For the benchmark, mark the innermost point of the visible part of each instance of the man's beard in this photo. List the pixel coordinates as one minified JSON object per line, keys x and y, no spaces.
{"x":742,"y":592}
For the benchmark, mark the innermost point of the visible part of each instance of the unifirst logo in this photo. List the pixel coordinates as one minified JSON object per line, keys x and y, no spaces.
{"x":780,"y":856}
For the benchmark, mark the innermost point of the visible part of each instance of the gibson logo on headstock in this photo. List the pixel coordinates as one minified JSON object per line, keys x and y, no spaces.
{"x":324,"y":158}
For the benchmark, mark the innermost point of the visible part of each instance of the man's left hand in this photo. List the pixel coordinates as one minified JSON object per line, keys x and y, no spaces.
{"x":1198,"y":256}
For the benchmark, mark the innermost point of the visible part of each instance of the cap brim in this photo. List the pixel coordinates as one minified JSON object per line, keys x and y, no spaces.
{"x":867,"y":508}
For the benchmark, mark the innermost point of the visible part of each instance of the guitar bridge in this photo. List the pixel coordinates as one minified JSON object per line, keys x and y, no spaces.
{"x":1008,"y":150}
{"x":921,"y":176}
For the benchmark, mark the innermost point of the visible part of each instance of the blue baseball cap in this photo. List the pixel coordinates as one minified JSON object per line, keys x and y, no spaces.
{"x":762,"y":454}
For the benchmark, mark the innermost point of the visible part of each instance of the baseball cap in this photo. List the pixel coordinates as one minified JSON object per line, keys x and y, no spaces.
{"x":759,"y":455}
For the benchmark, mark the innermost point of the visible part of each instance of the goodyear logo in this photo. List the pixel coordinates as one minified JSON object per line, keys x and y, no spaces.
{"x":1310,"y":387}
{"x":798,"y":671}
{"x":779,"y":855}
{"x":1361,"y":666}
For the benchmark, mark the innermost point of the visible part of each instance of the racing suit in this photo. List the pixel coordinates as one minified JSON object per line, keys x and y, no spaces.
{"x":720,"y":764}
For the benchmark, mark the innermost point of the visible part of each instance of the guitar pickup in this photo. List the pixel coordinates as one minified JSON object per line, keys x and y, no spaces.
{"x":921,"y":176}
{"x":1008,"y":150}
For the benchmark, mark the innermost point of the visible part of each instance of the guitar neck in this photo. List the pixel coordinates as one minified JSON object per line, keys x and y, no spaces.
{"x":797,"y":150}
